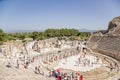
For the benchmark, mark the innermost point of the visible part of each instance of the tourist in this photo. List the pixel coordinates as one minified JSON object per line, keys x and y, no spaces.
{"x":81,"y":77}
{"x":68,"y":77}
{"x":26,"y":65}
{"x":41,"y":71}
{"x":111,"y":67}
{"x":59,"y":77}
{"x":17,"y":63}
{"x":50,"y":73}
{"x":53,"y":73}
{"x":77,"y":76}
{"x":92,"y":64}
{"x":9,"y":62}
{"x":29,"y":60}
{"x":116,"y":66}
{"x":83,"y":55}
{"x":65,"y":77}
{"x":62,"y":76}
{"x":33,"y":58}
{"x":59,"y":72}
{"x":73,"y":75}
{"x":36,"y":69}
{"x":97,"y":59}
{"x":84,"y":64}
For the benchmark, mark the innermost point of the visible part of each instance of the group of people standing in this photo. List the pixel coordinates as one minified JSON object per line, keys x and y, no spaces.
{"x":17,"y":62}
{"x":65,"y":76}
{"x":11,"y":62}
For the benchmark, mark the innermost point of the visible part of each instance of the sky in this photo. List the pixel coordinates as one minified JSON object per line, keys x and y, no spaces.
{"x":44,"y":14}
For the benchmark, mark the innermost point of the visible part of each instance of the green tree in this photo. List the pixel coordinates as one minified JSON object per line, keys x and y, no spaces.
{"x":2,"y":36}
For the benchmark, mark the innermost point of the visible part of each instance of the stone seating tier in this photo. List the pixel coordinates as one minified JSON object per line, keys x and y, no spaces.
{"x":95,"y":38}
{"x":109,"y":44}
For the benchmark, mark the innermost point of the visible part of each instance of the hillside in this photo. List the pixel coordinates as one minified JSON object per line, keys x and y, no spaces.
{"x":107,"y":43}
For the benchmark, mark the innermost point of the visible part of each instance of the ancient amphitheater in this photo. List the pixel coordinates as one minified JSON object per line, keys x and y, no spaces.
{"x":99,"y":57}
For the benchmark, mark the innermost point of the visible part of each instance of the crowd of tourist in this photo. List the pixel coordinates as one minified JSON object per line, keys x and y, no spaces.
{"x":57,"y":74}
{"x":65,"y":76}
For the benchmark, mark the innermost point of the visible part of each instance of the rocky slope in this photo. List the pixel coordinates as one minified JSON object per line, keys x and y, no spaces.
{"x":109,"y":42}
{"x":114,"y":25}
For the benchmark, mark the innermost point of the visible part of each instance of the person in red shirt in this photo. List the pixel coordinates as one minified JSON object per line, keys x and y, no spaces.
{"x":59,"y":78}
{"x":81,"y":77}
